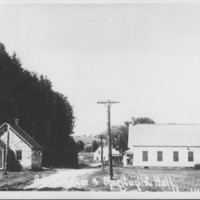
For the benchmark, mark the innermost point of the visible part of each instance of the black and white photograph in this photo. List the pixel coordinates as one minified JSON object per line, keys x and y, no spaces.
{"x":100,"y":99}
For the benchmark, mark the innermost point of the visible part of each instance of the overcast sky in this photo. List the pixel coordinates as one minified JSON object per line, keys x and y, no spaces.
{"x":147,"y":56}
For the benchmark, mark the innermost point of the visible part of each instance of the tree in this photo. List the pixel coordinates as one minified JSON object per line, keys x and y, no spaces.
{"x":95,"y":145}
{"x":88,"y":148}
{"x":119,"y":135}
{"x":44,"y":114}
{"x":80,"y":145}
{"x":143,"y":120}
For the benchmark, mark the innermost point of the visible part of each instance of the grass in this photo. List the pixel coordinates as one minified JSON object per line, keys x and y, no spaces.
{"x":152,"y":180}
{"x":125,"y":179}
{"x":17,"y":180}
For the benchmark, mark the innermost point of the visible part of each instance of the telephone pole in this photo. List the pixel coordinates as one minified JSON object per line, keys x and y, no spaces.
{"x":108,"y":105}
{"x":102,"y":161}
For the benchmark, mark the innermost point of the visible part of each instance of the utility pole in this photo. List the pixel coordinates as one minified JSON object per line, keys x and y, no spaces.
{"x":102,"y":161}
{"x":7,"y":151}
{"x":108,"y":105}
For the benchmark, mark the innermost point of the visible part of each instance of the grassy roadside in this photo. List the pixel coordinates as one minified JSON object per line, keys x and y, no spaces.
{"x":17,"y":180}
{"x":140,"y":180}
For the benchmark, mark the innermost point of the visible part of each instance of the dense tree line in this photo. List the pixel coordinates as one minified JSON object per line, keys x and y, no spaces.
{"x":44,"y":114}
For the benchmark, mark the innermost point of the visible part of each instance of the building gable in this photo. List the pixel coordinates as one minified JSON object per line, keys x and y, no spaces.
{"x":22,"y":135}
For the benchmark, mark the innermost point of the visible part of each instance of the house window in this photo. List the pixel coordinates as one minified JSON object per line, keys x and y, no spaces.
{"x":175,"y":156}
{"x":19,"y":155}
{"x":99,"y":152}
{"x":160,"y":156}
{"x":145,"y":155}
{"x":190,"y":156}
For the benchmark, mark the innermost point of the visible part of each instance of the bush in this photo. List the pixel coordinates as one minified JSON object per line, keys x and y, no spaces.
{"x":197,"y":166}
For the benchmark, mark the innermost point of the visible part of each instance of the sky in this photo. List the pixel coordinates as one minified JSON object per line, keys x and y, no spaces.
{"x":146,"y":56}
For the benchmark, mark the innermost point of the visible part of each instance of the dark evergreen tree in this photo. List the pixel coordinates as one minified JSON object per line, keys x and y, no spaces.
{"x":44,"y":114}
{"x":95,"y":145}
{"x":80,"y":145}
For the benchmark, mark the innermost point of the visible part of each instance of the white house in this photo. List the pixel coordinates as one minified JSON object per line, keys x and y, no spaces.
{"x":27,"y":152}
{"x":163,"y":145}
{"x":97,"y":154}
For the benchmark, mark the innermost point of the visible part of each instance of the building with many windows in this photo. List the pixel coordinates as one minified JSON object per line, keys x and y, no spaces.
{"x":163,"y":145}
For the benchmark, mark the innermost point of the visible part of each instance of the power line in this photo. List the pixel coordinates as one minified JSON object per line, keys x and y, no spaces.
{"x":108,"y":105}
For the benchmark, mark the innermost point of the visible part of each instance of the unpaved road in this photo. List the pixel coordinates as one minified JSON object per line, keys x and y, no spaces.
{"x":63,"y":179}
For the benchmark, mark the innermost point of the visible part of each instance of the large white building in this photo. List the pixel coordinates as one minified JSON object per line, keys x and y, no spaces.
{"x":163,"y":145}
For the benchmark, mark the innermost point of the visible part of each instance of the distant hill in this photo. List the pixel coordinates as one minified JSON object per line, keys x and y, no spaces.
{"x":86,"y":140}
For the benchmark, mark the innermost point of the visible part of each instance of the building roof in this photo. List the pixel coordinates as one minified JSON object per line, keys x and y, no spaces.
{"x":24,"y":136}
{"x":164,"y":135}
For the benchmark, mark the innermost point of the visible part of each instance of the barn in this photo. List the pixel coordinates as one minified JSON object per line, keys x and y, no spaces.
{"x":25,"y":150}
{"x":163,"y":145}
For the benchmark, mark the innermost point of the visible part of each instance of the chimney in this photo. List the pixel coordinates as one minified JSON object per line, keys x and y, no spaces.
{"x":16,"y":122}
{"x":133,"y":121}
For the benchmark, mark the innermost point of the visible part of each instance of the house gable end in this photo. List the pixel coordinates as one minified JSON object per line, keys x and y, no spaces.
{"x":18,"y":135}
{"x":27,"y":139}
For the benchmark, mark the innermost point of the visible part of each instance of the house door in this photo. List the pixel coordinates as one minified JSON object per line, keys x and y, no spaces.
{"x":130,"y":159}
{"x":1,"y":158}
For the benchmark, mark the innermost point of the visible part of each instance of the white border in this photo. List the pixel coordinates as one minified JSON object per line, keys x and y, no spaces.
{"x":99,"y":1}
{"x":98,"y":195}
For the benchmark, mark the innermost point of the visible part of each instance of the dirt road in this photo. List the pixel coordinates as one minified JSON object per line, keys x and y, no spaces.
{"x":63,"y":179}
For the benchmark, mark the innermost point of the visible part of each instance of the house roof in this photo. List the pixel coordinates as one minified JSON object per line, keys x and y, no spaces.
{"x":164,"y":135}
{"x":24,"y":136}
